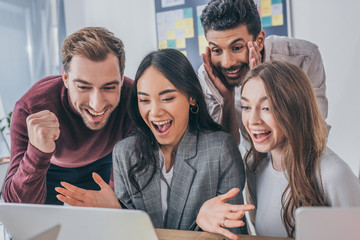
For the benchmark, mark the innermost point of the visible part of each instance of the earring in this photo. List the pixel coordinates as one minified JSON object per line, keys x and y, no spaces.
{"x":194,"y":109}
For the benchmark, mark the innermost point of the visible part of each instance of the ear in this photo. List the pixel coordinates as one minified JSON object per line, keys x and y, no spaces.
{"x":192,"y":101}
{"x":65,"y":78}
{"x":260,"y":40}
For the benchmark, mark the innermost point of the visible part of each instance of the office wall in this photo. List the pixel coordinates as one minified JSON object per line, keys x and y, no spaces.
{"x":332,"y":25}
{"x":132,"y":21}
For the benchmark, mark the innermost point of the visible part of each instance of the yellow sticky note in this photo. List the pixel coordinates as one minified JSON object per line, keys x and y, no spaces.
{"x":179,"y":24}
{"x":278,"y":20}
{"x":180,"y":43}
{"x":265,"y":8}
{"x":162,"y":44}
{"x":170,"y":35}
{"x":189,"y":27}
{"x":202,"y":44}
{"x":184,"y":52}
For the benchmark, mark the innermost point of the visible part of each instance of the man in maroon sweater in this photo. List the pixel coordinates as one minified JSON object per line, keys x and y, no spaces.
{"x":64,"y":128}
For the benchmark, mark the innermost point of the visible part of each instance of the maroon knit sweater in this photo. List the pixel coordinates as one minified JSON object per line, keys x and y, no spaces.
{"x":77,"y":145}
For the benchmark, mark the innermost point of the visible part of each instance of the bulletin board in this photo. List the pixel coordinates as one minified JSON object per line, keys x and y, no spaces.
{"x":178,"y":24}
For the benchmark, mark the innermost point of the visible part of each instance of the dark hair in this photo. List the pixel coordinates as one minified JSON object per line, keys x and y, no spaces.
{"x":228,"y":14}
{"x":294,"y":106}
{"x":94,"y":43}
{"x":178,"y":70}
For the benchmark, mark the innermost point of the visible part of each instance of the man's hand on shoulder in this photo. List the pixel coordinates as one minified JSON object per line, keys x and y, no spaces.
{"x":43,"y":130}
{"x":226,"y":93}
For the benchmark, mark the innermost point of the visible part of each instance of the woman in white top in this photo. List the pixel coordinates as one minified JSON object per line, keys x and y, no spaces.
{"x":289,"y":165}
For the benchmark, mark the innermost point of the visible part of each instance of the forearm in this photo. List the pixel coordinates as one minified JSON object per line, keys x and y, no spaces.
{"x":26,"y":179}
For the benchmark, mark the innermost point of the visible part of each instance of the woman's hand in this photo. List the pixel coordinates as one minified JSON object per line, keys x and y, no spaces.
{"x":75,"y":196}
{"x":216,"y":215}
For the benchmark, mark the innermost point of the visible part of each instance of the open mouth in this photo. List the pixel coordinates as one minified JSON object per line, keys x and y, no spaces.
{"x":234,"y":73}
{"x":162,"y":126}
{"x":260,"y":136}
{"x":96,"y":116}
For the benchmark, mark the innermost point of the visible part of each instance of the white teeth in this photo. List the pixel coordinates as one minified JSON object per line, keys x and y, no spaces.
{"x":235,"y":71}
{"x":95,"y":113}
{"x":161,"y":122}
{"x":259,"y":132}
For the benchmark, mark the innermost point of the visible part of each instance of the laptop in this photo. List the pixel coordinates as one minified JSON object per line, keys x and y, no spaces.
{"x":24,"y":221}
{"x":330,"y":223}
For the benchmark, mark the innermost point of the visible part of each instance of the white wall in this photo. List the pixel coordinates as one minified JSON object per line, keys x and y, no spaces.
{"x":131,"y":21}
{"x":332,"y":25}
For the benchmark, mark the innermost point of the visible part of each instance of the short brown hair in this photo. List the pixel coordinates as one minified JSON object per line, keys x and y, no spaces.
{"x":94,"y":43}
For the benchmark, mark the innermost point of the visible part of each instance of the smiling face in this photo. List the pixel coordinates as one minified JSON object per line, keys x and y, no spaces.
{"x":163,"y":108}
{"x":94,"y":88}
{"x":258,"y":118}
{"x":230,"y":54}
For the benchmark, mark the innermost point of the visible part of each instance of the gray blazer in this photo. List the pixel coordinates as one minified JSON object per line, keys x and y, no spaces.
{"x":207,"y":164}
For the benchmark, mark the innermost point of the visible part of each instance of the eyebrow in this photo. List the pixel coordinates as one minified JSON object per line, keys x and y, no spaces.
{"x":161,"y":93}
{"x":87,"y":83}
{"x":236,"y":40}
{"x":261,"y":99}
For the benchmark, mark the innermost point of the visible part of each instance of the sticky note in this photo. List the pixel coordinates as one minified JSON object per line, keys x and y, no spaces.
{"x":202,"y":44}
{"x":276,"y":1}
{"x":162,"y":44}
{"x":188,"y":12}
{"x":266,"y":21}
{"x":170,"y":34}
{"x":265,"y":8}
{"x":189,"y":27}
{"x":171,"y":43}
{"x":184,"y":52}
{"x":179,"y":24}
{"x":180,"y":43}
{"x":200,"y":28}
{"x":276,"y":9}
{"x":278,"y":20}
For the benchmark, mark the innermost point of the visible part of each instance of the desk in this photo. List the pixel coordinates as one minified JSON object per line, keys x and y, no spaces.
{"x":168,"y":234}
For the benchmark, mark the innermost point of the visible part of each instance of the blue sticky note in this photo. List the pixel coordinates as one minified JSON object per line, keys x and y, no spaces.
{"x":200,"y":28}
{"x":188,"y":13}
{"x":266,"y":21}
{"x":276,"y":1}
{"x":171,"y":43}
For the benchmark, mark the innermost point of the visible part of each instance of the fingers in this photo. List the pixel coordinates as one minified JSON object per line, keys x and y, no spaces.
{"x":229,"y":223}
{"x":227,"y":233}
{"x":99,"y":180}
{"x":229,"y":195}
{"x":69,"y":201}
{"x":71,"y":191}
{"x":43,"y":130}
{"x":244,"y":207}
{"x":254,"y":54}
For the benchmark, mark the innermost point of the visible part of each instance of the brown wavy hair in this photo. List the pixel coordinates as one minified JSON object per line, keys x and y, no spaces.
{"x":94,"y":43}
{"x":294,"y":106}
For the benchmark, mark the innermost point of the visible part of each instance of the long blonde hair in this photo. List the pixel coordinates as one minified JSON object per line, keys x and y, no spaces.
{"x":294,"y":107}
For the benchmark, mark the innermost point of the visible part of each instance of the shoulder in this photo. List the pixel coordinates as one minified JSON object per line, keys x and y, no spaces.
{"x":127,"y":86}
{"x":125,"y":145}
{"x":332,"y":166}
{"x":290,"y":46}
{"x":341,"y":186}
{"x":45,"y":91}
{"x":216,"y":138}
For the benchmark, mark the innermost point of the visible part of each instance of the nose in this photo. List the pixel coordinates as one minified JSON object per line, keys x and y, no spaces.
{"x":228,"y":60}
{"x":254,"y":117}
{"x":156,"y":109}
{"x":97,"y":100}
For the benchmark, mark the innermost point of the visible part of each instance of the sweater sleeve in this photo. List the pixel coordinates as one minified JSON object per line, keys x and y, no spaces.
{"x":26,"y":178}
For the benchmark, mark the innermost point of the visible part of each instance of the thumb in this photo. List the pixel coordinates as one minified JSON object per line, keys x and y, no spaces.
{"x":229,"y":195}
{"x":102,"y":184}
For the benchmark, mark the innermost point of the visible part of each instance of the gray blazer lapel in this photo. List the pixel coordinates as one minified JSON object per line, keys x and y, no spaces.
{"x":152,"y":197}
{"x":182,"y":179}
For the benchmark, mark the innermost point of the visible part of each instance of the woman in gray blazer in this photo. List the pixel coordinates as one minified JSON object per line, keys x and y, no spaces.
{"x":178,"y":157}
